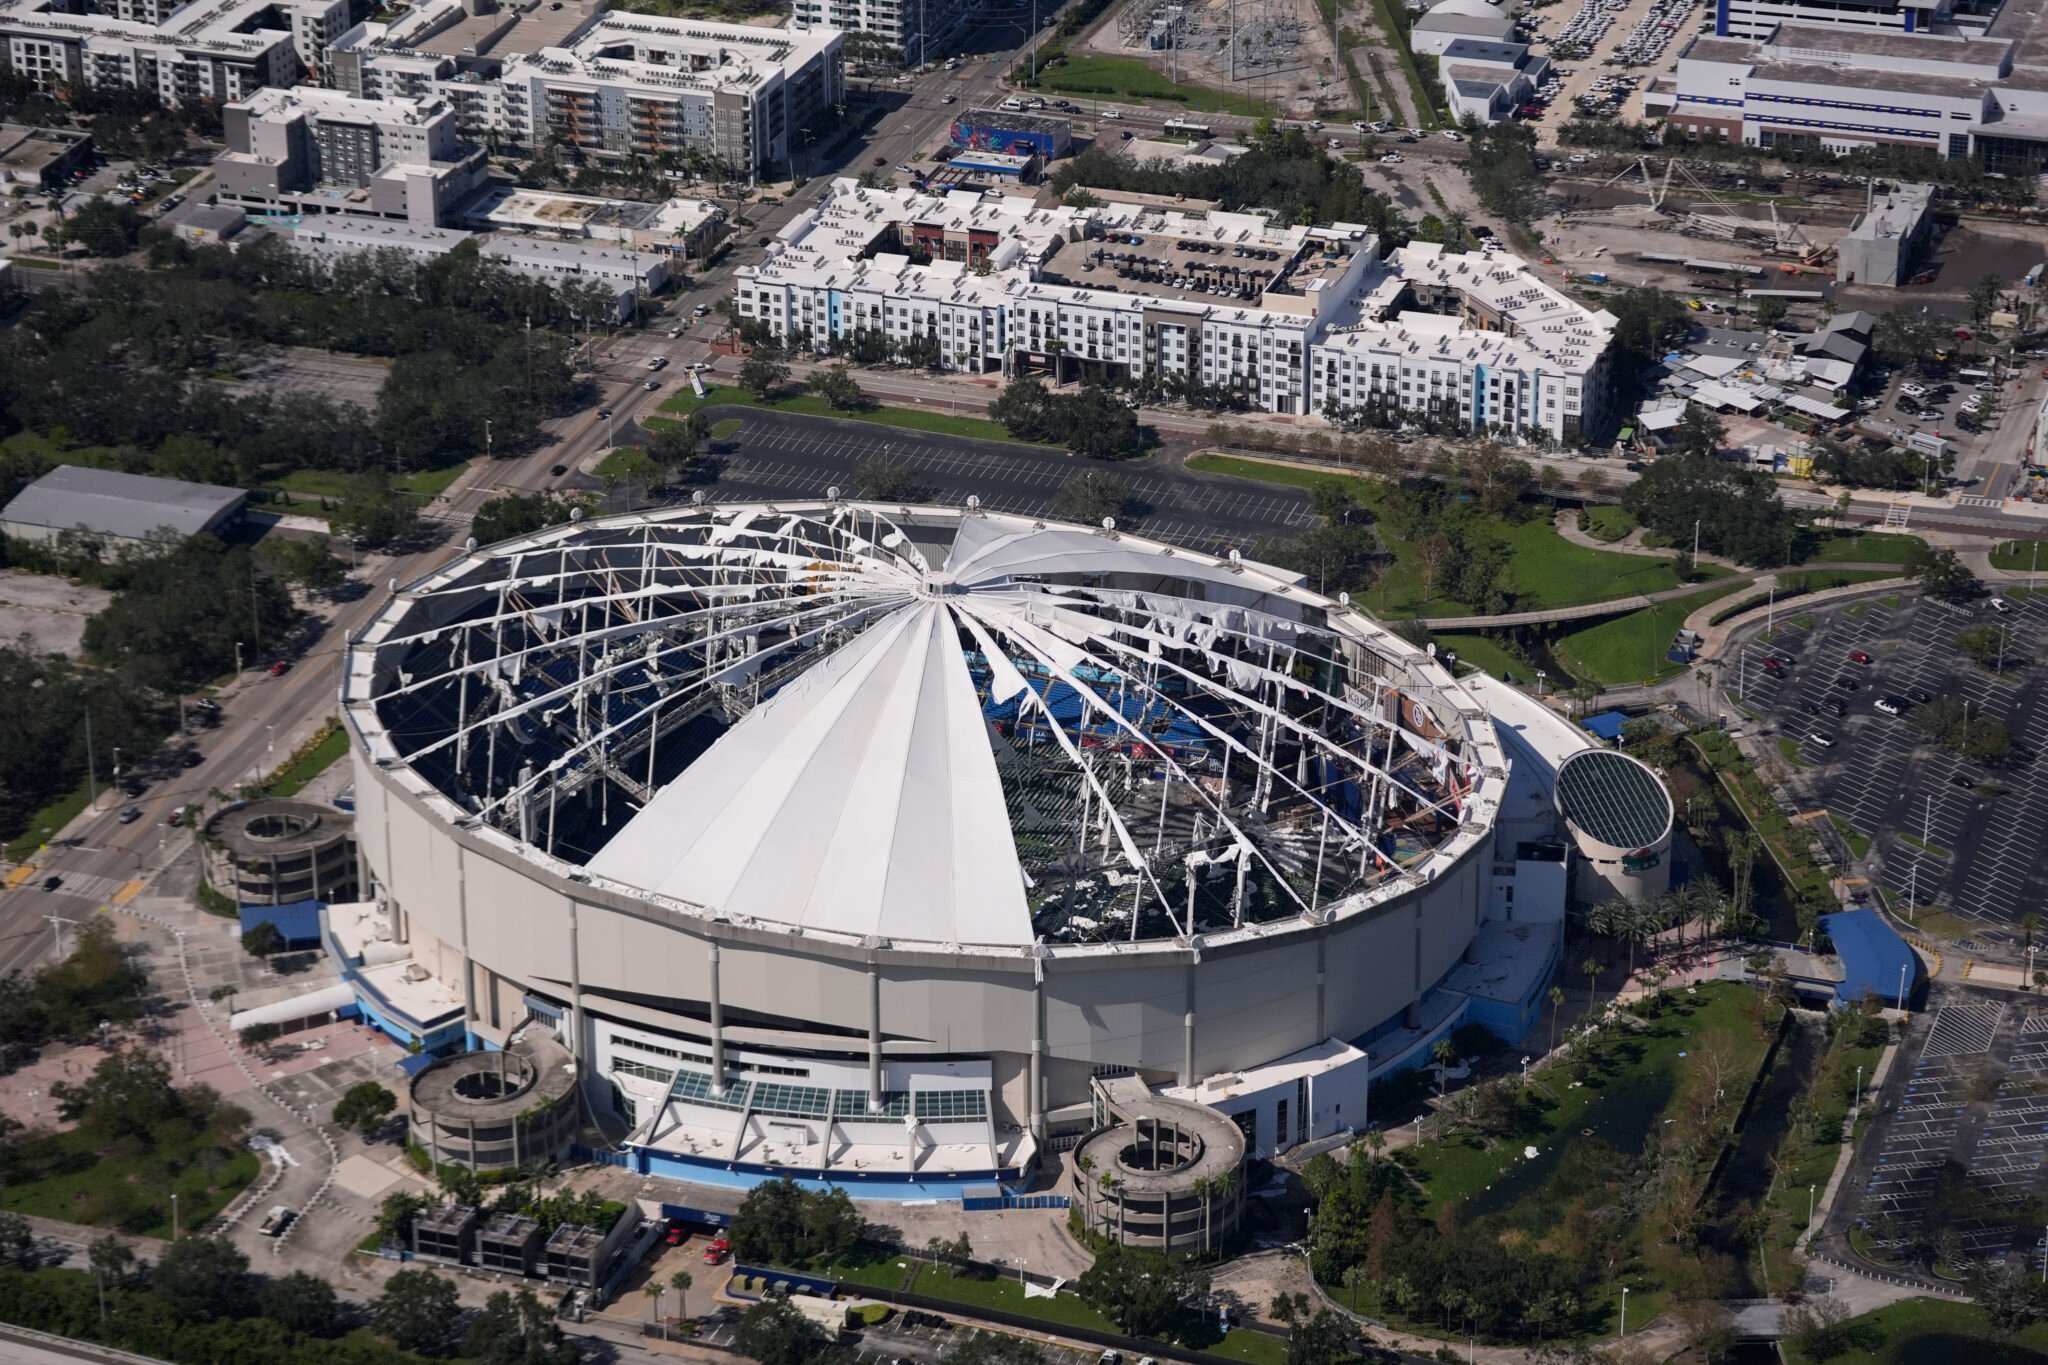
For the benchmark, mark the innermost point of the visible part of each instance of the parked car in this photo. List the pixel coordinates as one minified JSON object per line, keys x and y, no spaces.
{"x":1821,"y":740}
{"x":279,"y":667}
{"x":130,"y":814}
{"x":1892,"y":706}
{"x":1858,"y":656}
{"x":1848,"y":684}
{"x":559,"y":470}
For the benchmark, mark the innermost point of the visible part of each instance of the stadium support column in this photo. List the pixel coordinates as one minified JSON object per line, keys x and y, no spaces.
{"x":1035,"y":1106}
{"x":468,"y":967}
{"x":874,"y":1038}
{"x":575,"y":990}
{"x":717,"y":1026}
{"x":1187,"y":1060}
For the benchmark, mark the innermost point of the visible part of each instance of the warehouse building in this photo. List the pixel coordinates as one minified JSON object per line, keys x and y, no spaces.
{"x":120,"y":508}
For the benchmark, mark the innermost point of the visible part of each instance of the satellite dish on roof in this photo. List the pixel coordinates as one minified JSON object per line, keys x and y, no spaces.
{"x":470,"y":545}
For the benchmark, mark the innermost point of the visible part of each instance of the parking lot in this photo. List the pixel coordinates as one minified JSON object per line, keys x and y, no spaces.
{"x":777,"y":455}
{"x":1943,"y":831}
{"x":1954,"y":1165}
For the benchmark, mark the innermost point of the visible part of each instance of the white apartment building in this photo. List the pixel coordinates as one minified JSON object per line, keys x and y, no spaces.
{"x":610,"y":87}
{"x":922,"y":30}
{"x":1297,"y":319}
{"x":209,"y":49}
{"x":307,"y":150}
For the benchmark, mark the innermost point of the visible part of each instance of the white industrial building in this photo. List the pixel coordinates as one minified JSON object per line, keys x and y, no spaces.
{"x":606,"y":86}
{"x":209,"y":49}
{"x":1837,"y":89}
{"x":855,"y":843}
{"x":1298,"y":319}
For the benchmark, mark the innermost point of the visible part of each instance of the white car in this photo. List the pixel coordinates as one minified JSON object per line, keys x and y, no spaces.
{"x":1111,"y":113}
{"x":1336,"y":144}
{"x":1361,"y":125}
{"x":1391,"y":159}
{"x":1913,"y":390}
{"x":1453,"y":134}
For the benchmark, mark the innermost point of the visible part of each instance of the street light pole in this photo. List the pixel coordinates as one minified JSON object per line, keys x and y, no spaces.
{"x":1902,"y":986}
{"x":1624,"y":1311}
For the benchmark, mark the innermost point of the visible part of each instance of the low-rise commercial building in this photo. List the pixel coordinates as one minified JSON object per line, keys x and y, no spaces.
{"x":41,"y":158}
{"x":1296,"y":319}
{"x":1883,"y":244}
{"x":683,"y":227}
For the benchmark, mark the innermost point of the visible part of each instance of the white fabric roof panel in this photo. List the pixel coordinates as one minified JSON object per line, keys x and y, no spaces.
{"x":863,"y":798}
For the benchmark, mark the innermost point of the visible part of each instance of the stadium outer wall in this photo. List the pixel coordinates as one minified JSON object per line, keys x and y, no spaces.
{"x":515,"y":935}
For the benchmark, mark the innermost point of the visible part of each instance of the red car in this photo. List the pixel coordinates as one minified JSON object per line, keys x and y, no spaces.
{"x":716,"y":1253}
{"x":280,"y":667}
{"x":1771,"y":665}
{"x":1857,"y":656}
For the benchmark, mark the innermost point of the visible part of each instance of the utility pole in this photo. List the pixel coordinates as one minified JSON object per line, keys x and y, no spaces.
{"x":92,"y":782}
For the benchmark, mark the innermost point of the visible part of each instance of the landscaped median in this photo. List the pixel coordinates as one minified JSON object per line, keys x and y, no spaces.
{"x":810,"y":405}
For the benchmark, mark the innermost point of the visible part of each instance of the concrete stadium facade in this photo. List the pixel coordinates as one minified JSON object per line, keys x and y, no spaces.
{"x":643,"y":987}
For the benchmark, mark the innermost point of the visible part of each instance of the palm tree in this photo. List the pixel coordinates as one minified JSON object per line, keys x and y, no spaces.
{"x":654,"y":1290}
{"x":1456,"y":224}
{"x":1640,"y":925}
{"x":1610,"y":918}
{"x":1445,"y":1053}
{"x":1591,"y":967}
{"x":1556,"y":1002}
{"x":681,"y":1282}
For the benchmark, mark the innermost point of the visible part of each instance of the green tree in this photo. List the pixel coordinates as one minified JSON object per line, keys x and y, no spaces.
{"x":419,"y":1311}
{"x":1556,"y":1003}
{"x":17,"y":1238}
{"x":674,"y":446}
{"x":1985,"y":297}
{"x":1700,"y":432}
{"x":761,"y":376}
{"x":263,"y":940}
{"x":839,"y":389}
{"x":257,"y":1037}
{"x":303,"y":1303}
{"x":113,"y":1263}
{"x":1591,"y":967}
{"x":308,"y":561}
{"x":517,"y":1330}
{"x":364,"y":1107}
{"x":1984,"y":644}
{"x":1941,"y":573}
{"x":783,"y":1224}
{"x":202,"y":1279}
{"x":2008,"y":1294}
{"x":375,"y":513}
{"x":127,"y":1095}
{"x":521,"y":514}
{"x":1770,"y":312}
{"x":183,"y":607}
{"x":1326,"y":1338}
{"x":772,"y":1332}
{"x":101,"y":227}
{"x":1139,"y":1292}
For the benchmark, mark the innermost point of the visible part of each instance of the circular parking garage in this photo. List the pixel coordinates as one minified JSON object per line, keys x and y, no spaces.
{"x":1166,"y":1179}
{"x":496,"y":1111}
{"x":1620,"y":819}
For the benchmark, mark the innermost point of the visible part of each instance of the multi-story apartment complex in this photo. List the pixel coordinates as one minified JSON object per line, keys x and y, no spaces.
{"x":1839,"y":89}
{"x":307,"y":150}
{"x":613,"y":87}
{"x":1296,"y":319}
{"x":921,"y":30}
{"x":209,"y":49}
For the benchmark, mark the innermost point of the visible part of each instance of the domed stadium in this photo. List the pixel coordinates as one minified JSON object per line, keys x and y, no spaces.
{"x":862,"y":842}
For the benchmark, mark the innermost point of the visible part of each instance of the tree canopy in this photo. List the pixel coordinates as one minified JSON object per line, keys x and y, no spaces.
{"x":781,"y":1223}
{"x":1737,"y":509}
{"x":183,"y":605}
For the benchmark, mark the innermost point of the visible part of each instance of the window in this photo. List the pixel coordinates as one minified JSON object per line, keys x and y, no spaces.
{"x":951,"y":1104}
{"x":1280,"y":1124}
{"x":1248,"y":1124}
{"x":1301,"y":1108}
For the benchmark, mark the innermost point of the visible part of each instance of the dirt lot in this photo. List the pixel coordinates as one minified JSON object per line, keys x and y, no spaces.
{"x":51,"y":612}
{"x":343,"y":378}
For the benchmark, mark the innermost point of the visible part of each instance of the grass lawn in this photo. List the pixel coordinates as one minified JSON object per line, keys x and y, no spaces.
{"x":1609,"y":522}
{"x":68,"y":1176}
{"x":1916,"y":841}
{"x":1931,"y":1332}
{"x":1635,"y":1075}
{"x":1859,"y":842}
{"x":1627,"y":649}
{"x":1788,"y":749}
{"x":45,"y":823}
{"x":1546,"y":569}
{"x":25,"y":445}
{"x":1126,"y":76}
{"x":914,"y":419}
{"x":2020,"y":556}
{"x":1805,"y":1163}
{"x":1851,"y":547}
{"x":317,"y":760}
{"x":627,"y":462}
{"x":1484,"y":655}
{"x":939,"y":1282}
{"x":425,"y":484}
{"x":726,"y":429}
